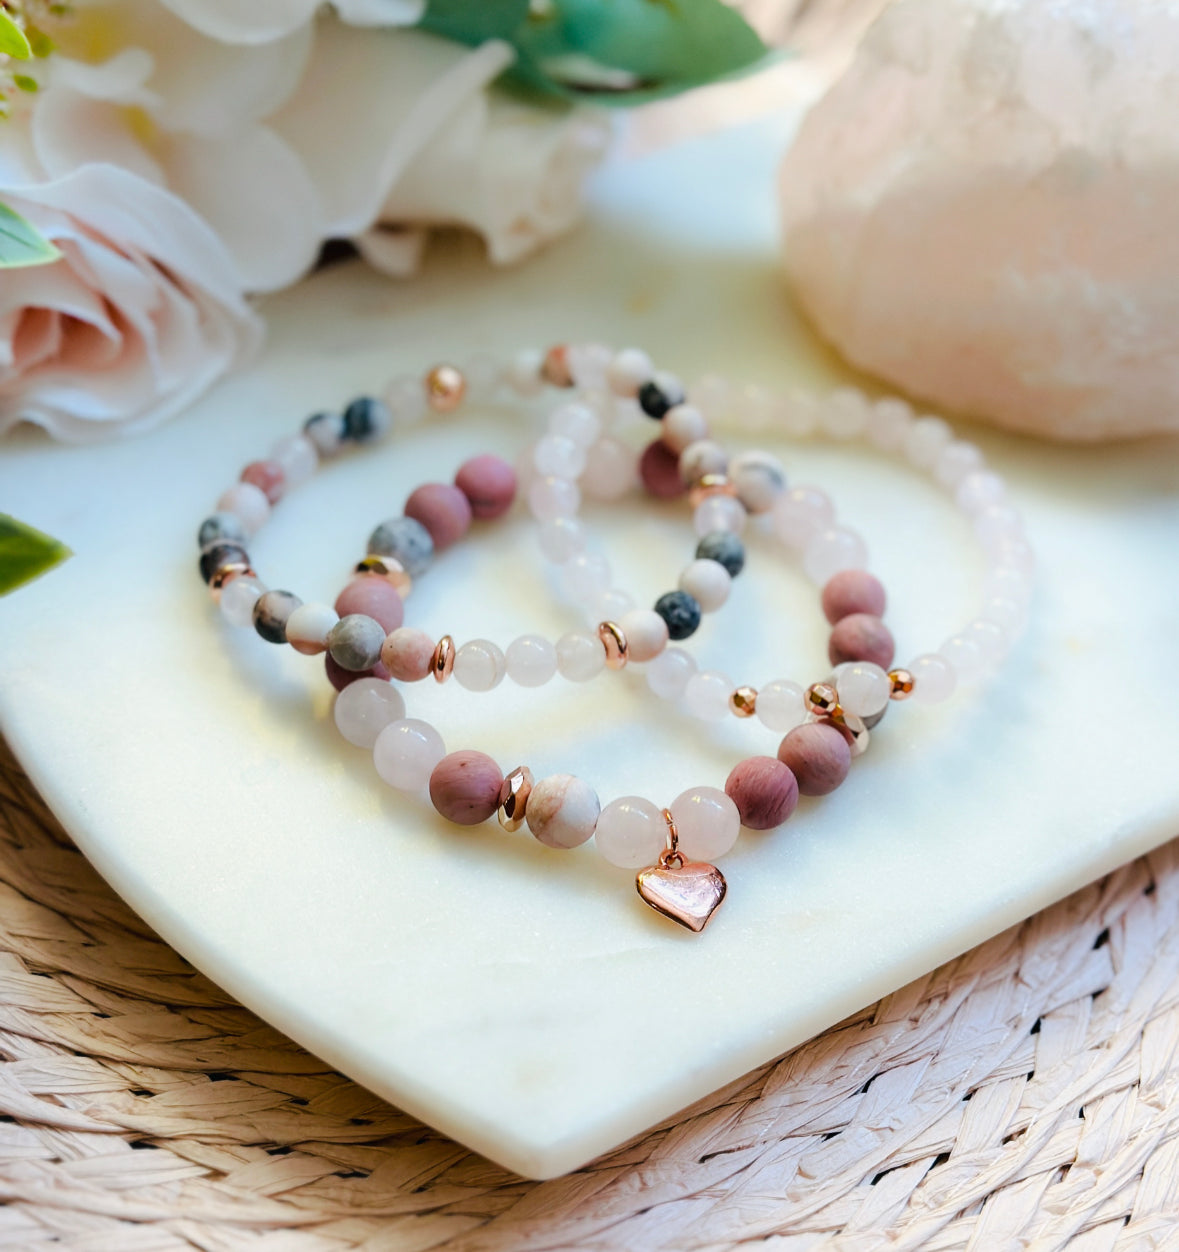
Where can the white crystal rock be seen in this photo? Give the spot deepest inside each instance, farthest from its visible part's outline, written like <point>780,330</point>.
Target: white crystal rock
<point>983,210</point>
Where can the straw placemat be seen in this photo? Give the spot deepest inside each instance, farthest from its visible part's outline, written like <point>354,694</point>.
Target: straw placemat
<point>1023,1096</point>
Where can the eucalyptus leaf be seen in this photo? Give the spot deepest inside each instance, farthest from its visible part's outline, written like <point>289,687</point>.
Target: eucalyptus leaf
<point>21,244</point>
<point>12,39</point>
<point>25,553</point>
<point>475,21</point>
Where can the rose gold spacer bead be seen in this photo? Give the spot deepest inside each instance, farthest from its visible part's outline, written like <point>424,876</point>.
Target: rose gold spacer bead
<point>613,639</point>
<point>386,567</point>
<point>821,699</point>
<point>555,367</point>
<point>442,663</point>
<point>902,684</point>
<point>445,388</point>
<point>743,701</point>
<point>711,485</point>
<point>225,574</point>
<point>513,798</point>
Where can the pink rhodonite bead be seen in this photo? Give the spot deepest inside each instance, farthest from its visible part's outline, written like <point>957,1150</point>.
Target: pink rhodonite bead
<point>407,654</point>
<point>464,787</point>
<point>268,477</point>
<point>764,790</point>
<point>818,756</point>
<point>443,510</point>
<point>374,597</point>
<point>853,591</point>
<point>562,811</point>
<point>489,483</point>
<point>659,468</point>
<point>861,637</point>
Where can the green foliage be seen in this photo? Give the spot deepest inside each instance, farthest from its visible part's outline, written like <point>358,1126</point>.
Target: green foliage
<point>21,244</point>
<point>13,42</point>
<point>25,553</point>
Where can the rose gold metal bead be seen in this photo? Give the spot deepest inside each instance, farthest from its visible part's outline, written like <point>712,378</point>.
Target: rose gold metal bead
<point>442,663</point>
<point>445,388</point>
<point>821,699</point>
<point>854,730</point>
<point>711,485</point>
<point>386,567</point>
<point>902,684</point>
<point>555,368</point>
<point>513,797</point>
<point>226,573</point>
<point>613,639</point>
<point>743,701</point>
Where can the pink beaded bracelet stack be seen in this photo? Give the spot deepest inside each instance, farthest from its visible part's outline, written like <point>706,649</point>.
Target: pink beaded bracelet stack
<point>369,651</point>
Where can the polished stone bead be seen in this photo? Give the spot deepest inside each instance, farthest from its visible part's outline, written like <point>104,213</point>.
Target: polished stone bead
<point>268,477</point>
<point>764,790</point>
<point>680,611</point>
<point>464,787</point>
<point>341,678</point>
<point>366,419</point>
<point>659,468</point>
<point>861,637</point>
<point>271,611</point>
<point>364,708</point>
<point>221,528</point>
<point>562,811</point>
<point>407,654</point>
<point>326,432</point>
<point>374,597</point>
<point>405,540</point>
<point>355,642</point>
<point>660,393</point>
<point>219,554</point>
<point>852,591</point>
<point>725,548</point>
<point>489,483</point>
<point>442,509</point>
<point>818,755</point>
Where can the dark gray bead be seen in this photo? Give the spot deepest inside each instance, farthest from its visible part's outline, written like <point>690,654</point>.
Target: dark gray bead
<point>354,642</point>
<point>366,419</point>
<point>681,612</point>
<point>723,547</point>
<point>406,541</point>
<point>221,528</point>
<point>271,611</point>
<point>326,431</point>
<point>219,554</point>
<point>660,393</point>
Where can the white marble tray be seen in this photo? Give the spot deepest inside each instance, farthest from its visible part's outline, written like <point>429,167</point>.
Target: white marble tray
<point>524,1002</point>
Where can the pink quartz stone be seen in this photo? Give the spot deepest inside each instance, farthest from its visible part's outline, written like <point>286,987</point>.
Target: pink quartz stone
<point>464,787</point>
<point>852,591</point>
<point>375,597</point>
<point>659,468</point>
<point>407,654</point>
<point>861,637</point>
<point>442,509</point>
<point>268,477</point>
<point>818,755</point>
<point>764,790</point>
<point>340,677</point>
<point>489,483</point>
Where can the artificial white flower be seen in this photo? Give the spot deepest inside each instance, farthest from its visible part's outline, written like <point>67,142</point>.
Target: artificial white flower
<point>260,21</point>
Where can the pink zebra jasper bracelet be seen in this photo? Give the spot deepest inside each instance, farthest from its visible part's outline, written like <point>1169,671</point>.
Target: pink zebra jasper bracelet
<point>827,722</point>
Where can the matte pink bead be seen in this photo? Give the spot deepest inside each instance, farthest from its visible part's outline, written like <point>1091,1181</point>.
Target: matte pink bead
<point>464,787</point>
<point>268,477</point>
<point>340,677</point>
<point>764,790</point>
<point>374,597</point>
<point>818,755</point>
<point>489,483</point>
<point>407,654</point>
<point>442,509</point>
<point>852,591</point>
<point>861,637</point>
<point>659,468</point>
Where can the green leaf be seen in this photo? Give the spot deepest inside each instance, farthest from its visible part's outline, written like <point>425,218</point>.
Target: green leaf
<point>475,21</point>
<point>25,553</point>
<point>12,39</point>
<point>21,244</point>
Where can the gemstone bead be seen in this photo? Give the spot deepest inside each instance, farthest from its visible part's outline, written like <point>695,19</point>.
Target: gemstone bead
<point>341,678</point>
<point>464,787</point>
<point>271,611</point>
<point>218,555</point>
<point>681,612</point>
<point>818,755</point>
<point>221,528</point>
<point>707,823</point>
<point>577,422</point>
<point>364,708</point>
<point>780,705</point>
<point>549,498</point>
<point>659,468</point>
<point>631,832</point>
<point>628,371</point>
<point>407,752</point>
<point>852,591</point>
<point>702,458</point>
<point>407,541</point>
<point>489,483</point>
<point>374,597</point>
<point>800,513</point>
<point>248,504</point>
<point>764,790</point>
<point>646,634</point>
<point>562,811</point>
<point>759,479</point>
<point>562,538</point>
<point>443,510</point>
<point>406,398</point>
<point>683,425</point>
<point>662,391</point>
<point>366,420</point>
<point>934,679</point>
<point>861,637</point>
<point>326,432</point>
<point>864,688</point>
<point>558,456</point>
<point>724,547</point>
<point>355,642</point>
<point>831,550</point>
<point>531,660</point>
<point>479,665</point>
<point>668,673</point>
<point>580,656</point>
<point>407,654</point>
<point>719,513</point>
<point>297,457</point>
<point>308,628</point>
<point>707,582</point>
<point>238,598</point>
<point>706,695</point>
<point>611,470</point>
<point>268,477</point>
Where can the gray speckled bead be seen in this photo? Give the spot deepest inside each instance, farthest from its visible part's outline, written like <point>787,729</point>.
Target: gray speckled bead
<point>366,420</point>
<point>406,541</point>
<point>271,610</point>
<point>681,612</point>
<point>723,547</point>
<point>326,432</point>
<point>355,642</point>
<point>221,528</point>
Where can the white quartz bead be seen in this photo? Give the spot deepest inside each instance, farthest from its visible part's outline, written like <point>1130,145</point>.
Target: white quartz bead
<point>979,490</point>
<point>708,582</point>
<point>406,398</point>
<point>558,456</point>
<point>646,634</point>
<point>800,513</point>
<point>997,524</point>
<point>406,753</point>
<point>629,370</point>
<point>668,673</point>
<point>1006,613</point>
<point>365,707</point>
<point>531,660</point>
<point>577,423</point>
<point>248,504</point>
<point>562,811</point>
<point>561,538</point>
<point>925,440</point>
<point>964,655</point>
<point>298,458</point>
<point>701,458</point>
<point>1011,584</point>
<point>955,461</point>
<point>829,551</point>
<point>238,598</point>
<point>844,416</point>
<point>610,606</point>
<point>719,513</point>
<point>706,821</point>
<point>799,415</point>
<point>759,479</point>
<point>888,424</point>
<point>682,425</point>
<point>713,396</point>
<point>588,363</point>
<point>991,640</point>
<point>631,832</point>
<point>523,374</point>
<point>611,470</point>
<point>706,695</point>
<point>1014,554</point>
<point>307,629</point>
<point>553,497</point>
<point>580,656</point>
<point>479,665</point>
<point>584,577</point>
<point>934,679</point>
<point>864,689</point>
<point>780,705</point>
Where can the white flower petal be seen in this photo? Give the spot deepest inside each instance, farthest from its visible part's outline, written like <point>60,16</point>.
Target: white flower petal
<point>396,251</point>
<point>380,12</point>
<point>70,130</point>
<point>244,21</point>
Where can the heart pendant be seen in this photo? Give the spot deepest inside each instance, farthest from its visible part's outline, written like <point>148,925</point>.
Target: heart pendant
<point>688,893</point>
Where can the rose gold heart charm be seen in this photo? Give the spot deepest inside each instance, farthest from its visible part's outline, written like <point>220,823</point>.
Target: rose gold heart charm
<point>688,892</point>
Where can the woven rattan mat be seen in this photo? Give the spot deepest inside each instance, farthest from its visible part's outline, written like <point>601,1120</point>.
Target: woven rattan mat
<point>1023,1096</point>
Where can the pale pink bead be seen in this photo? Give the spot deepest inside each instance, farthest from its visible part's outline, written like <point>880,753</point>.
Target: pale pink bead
<point>631,832</point>
<point>780,705</point>
<point>375,597</point>
<point>562,538</point>
<point>861,637</point>
<point>627,372</point>
<point>576,422</point>
<point>553,497</point>
<point>238,598</point>
<point>818,756</point>
<point>719,513</point>
<point>610,606</point>
<point>659,468</point>
<point>1014,554</point>
<point>489,483</point>
<point>308,626</point>
<point>997,524</point>
<point>888,423</point>
<point>523,372</point>
<point>1005,612</point>
<point>589,363</point>
<point>408,654</point>
<point>562,811</point>
<point>925,440</point>
<point>580,656</point>
<point>706,821</point>
<point>364,708</point>
<point>406,753</point>
<point>852,591</point>
<point>764,790</point>
<point>708,582</point>
<point>298,457</point>
<point>933,678</point>
<point>956,461</point>
<point>864,688</point>
<point>531,660</point>
<point>964,655</point>
<point>706,695</point>
<point>248,504</point>
<point>646,634</point>
<point>268,477</point>
<point>479,665</point>
<point>611,470</point>
<point>558,456</point>
<point>800,513</point>
<point>702,458</point>
<point>464,787</point>
<point>668,673</point>
<point>442,509</point>
<point>406,398</point>
<point>583,578</point>
<point>1011,584</point>
<point>979,490</point>
<point>990,638</point>
<point>759,479</point>
<point>682,425</point>
<point>845,414</point>
<point>831,550</point>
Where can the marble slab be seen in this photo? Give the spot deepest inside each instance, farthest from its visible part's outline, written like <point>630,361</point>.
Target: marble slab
<point>523,1002</point>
